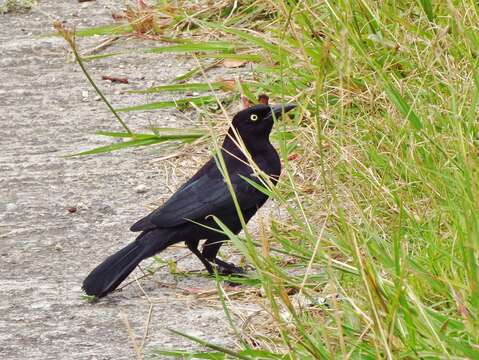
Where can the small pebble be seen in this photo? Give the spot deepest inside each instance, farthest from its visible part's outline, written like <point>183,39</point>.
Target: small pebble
<point>11,207</point>
<point>141,189</point>
<point>84,95</point>
<point>106,209</point>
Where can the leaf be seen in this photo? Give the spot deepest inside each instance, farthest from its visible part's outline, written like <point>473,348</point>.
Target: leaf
<point>195,71</point>
<point>257,185</point>
<point>118,146</point>
<point>427,7</point>
<point>191,355</point>
<point>184,47</point>
<point>183,135</point>
<point>228,84</point>
<point>193,47</point>
<point>212,346</point>
<point>112,29</point>
<point>160,133</point>
<point>262,354</point>
<point>251,38</point>
<point>245,88</point>
<point>101,56</point>
<point>180,87</point>
<point>125,135</point>
<point>233,63</point>
<point>402,105</point>
<point>201,100</point>
<point>190,132</point>
<point>188,74</point>
<point>245,57</point>
<point>225,85</point>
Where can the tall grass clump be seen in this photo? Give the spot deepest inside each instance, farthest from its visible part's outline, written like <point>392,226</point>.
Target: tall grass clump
<point>378,256</point>
<point>382,193</point>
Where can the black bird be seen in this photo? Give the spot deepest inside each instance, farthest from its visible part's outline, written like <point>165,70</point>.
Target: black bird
<point>185,216</point>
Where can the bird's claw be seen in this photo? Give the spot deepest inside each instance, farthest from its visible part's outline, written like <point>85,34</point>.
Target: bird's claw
<point>231,270</point>
<point>225,268</point>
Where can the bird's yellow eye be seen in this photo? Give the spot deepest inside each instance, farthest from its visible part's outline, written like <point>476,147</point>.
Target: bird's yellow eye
<point>253,117</point>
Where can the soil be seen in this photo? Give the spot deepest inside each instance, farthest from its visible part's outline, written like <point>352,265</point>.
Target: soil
<point>59,217</point>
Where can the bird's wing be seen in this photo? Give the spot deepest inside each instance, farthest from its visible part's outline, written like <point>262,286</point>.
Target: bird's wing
<point>199,198</point>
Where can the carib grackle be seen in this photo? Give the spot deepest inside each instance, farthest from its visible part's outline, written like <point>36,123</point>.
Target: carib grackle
<point>185,216</point>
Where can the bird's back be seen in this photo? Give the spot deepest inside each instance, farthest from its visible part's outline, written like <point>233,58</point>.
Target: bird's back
<point>207,192</point>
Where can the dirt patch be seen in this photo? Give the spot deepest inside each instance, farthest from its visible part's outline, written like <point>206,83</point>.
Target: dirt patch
<point>49,110</point>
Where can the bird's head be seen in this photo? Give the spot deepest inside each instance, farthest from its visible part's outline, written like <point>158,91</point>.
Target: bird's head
<point>254,124</point>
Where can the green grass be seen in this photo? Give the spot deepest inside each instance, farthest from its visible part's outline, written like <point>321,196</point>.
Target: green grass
<point>383,198</point>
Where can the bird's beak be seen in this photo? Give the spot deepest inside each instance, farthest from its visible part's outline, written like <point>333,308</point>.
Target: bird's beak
<point>278,110</point>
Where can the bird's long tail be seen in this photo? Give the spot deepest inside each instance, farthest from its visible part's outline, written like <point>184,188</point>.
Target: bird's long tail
<point>110,273</point>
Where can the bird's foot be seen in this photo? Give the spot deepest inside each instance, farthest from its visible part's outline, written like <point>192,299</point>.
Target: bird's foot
<point>225,268</point>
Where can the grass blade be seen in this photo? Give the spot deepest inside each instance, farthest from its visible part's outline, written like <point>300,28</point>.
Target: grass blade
<point>113,29</point>
<point>180,87</point>
<point>190,355</point>
<point>428,10</point>
<point>212,346</point>
<point>159,133</point>
<point>101,56</point>
<point>232,56</point>
<point>193,47</point>
<point>402,105</point>
<point>118,146</point>
<point>201,100</point>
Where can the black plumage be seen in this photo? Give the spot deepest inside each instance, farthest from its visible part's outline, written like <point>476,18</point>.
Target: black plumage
<point>186,216</point>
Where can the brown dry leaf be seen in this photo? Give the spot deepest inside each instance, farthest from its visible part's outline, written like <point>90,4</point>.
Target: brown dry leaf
<point>263,99</point>
<point>115,79</point>
<point>118,16</point>
<point>233,63</point>
<point>285,297</point>
<point>197,291</point>
<point>142,19</point>
<point>228,84</point>
<point>164,22</point>
<point>245,102</point>
<point>293,157</point>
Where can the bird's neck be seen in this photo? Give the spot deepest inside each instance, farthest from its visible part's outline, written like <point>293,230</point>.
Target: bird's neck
<point>255,146</point>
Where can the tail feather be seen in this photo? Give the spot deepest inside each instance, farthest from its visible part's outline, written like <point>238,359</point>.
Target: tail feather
<point>110,273</point>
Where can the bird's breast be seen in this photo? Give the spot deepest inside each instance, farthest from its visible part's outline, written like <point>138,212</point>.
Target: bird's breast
<point>270,163</point>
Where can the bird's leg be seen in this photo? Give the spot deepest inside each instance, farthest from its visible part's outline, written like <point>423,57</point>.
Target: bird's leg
<point>193,246</point>
<point>226,268</point>
<point>210,252</point>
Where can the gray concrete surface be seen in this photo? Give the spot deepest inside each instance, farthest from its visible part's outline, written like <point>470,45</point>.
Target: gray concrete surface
<point>47,110</point>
